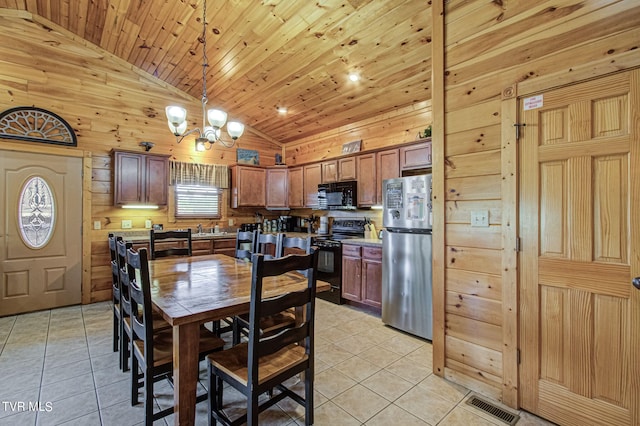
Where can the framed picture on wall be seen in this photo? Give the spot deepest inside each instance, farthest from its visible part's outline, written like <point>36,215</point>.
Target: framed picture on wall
<point>248,156</point>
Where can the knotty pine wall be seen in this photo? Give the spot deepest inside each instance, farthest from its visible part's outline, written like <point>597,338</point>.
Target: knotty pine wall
<point>494,50</point>
<point>110,105</point>
<point>384,130</point>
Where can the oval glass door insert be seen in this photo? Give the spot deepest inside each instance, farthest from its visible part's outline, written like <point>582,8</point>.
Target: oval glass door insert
<point>36,213</point>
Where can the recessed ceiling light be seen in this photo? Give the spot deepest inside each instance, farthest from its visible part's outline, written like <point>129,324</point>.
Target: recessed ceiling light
<point>282,110</point>
<point>354,77</point>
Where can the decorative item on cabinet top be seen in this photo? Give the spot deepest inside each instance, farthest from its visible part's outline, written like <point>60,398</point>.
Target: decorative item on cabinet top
<point>248,156</point>
<point>426,133</point>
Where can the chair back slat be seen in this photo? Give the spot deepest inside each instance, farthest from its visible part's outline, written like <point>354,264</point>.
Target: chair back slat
<point>121,258</point>
<point>182,243</point>
<point>140,290</point>
<point>262,241</point>
<point>115,274</point>
<point>303,244</point>
<point>244,239</point>
<point>259,307</point>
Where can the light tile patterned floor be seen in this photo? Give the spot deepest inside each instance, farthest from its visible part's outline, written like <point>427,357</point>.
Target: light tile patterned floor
<point>366,374</point>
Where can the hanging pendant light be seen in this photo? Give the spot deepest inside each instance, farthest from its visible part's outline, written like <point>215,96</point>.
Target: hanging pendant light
<point>208,134</point>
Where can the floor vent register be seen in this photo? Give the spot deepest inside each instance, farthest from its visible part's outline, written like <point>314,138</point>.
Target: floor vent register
<point>493,410</point>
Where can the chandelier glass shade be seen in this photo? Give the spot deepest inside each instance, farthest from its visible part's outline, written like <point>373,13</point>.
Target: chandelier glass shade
<point>209,134</point>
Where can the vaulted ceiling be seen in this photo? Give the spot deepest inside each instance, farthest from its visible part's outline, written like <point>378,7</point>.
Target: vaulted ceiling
<point>265,54</point>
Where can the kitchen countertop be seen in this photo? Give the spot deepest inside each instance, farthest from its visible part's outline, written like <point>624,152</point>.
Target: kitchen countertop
<point>369,242</point>
<point>143,236</point>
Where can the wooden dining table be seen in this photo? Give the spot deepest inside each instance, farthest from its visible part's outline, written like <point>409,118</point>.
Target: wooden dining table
<point>190,291</point>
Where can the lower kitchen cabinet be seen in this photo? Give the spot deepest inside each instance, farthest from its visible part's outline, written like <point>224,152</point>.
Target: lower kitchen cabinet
<point>224,246</point>
<point>200,247</point>
<point>362,274</point>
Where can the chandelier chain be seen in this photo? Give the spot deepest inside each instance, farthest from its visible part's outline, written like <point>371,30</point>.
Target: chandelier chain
<point>205,60</point>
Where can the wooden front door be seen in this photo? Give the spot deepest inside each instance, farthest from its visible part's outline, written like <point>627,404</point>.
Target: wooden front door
<point>579,223</point>
<point>40,231</point>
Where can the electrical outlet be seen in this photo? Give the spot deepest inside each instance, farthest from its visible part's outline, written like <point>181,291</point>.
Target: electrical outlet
<point>230,222</point>
<point>147,223</point>
<point>126,224</point>
<point>480,218</point>
<point>97,224</point>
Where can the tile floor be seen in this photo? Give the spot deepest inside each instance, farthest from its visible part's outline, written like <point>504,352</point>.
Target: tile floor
<point>366,374</point>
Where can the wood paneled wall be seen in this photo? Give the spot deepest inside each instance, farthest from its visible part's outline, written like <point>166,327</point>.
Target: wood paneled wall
<point>110,105</point>
<point>492,50</point>
<point>384,130</point>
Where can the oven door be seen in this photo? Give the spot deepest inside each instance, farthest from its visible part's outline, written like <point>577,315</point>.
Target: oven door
<point>330,270</point>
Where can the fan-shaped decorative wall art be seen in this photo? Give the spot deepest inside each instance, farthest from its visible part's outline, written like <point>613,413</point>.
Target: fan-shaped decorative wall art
<point>36,125</point>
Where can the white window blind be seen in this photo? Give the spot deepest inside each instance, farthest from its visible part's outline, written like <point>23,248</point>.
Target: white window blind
<point>197,201</point>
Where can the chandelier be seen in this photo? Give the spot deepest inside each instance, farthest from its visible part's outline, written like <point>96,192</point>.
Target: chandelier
<point>208,135</point>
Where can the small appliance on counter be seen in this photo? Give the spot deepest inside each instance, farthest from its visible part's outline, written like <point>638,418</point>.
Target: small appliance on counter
<point>323,229</point>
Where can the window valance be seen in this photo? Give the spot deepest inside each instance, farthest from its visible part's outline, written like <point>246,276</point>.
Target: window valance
<point>199,174</point>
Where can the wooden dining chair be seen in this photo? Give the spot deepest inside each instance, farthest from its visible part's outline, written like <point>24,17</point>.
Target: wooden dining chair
<point>266,362</point>
<point>115,294</point>
<point>263,241</point>
<point>272,323</point>
<point>152,351</point>
<point>126,308</point>
<point>172,243</point>
<point>245,244</point>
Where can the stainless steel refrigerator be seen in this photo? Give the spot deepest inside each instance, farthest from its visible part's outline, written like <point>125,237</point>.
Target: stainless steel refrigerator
<point>406,255</point>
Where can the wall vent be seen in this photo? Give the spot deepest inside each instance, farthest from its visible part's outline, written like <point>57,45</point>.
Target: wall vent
<point>493,410</point>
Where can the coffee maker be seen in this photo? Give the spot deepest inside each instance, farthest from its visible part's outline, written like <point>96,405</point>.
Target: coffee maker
<point>287,223</point>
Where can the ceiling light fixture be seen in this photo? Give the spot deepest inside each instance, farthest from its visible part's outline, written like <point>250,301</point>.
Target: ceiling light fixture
<point>208,135</point>
<point>282,110</point>
<point>354,77</point>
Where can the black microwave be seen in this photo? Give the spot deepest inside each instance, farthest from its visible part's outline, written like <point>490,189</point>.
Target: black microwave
<point>338,195</point>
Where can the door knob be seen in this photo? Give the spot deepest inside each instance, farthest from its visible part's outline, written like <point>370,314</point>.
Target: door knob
<point>636,282</point>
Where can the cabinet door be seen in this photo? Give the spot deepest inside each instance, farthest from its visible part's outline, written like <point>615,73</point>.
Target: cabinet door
<point>225,246</point>
<point>296,187</point>
<point>367,182</point>
<point>276,188</point>
<point>387,167</point>
<point>128,178</point>
<point>329,171</point>
<point>201,247</point>
<point>347,169</point>
<point>415,156</point>
<point>248,186</point>
<point>312,178</point>
<point>156,183</point>
<point>351,273</point>
<point>372,276</point>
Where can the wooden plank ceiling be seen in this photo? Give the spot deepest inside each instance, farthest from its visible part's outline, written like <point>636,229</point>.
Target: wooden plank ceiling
<point>268,53</point>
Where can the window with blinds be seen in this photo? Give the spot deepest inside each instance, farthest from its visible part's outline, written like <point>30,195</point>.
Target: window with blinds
<point>197,201</point>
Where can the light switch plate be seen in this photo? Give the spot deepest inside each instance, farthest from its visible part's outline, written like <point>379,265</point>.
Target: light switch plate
<point>126,224</point>
<point>480,218</point>
<point>97,224</point>
<point>147,224</point>
<point>230,222</point>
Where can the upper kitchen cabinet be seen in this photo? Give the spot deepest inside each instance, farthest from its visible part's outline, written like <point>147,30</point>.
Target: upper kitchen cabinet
<point>347,169</point>
<point>277,188</point>
<point>248,186</point>
<point>339,170</point>
<point>387,167</point>
<point>312,178</point>
<point>296,187</point>
<point>329,171</point>
<point>415,156</point>
<point>140,178</point>
<point>366,166</point>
